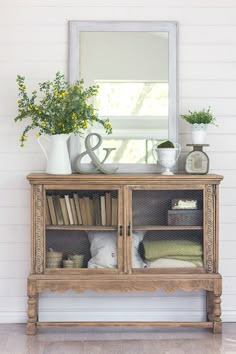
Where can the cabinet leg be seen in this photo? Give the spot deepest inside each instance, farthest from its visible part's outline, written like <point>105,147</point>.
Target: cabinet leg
<point>32,308</point>
<point>217,324</point>
<point>209,304</point>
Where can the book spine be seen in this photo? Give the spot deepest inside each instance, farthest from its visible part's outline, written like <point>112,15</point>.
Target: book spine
<point>52,209</point>
<point>48,219</point>
<point>72,204</point>
<point>103,210</point>
<point>88,211</point>
<point>64,211</point>
<point>68,206</point>
<point>77,208</point>
<point>97,210</point>
<point>83,211</point>
<point>58,211</point>
<point>114,213</point>
<point>92,211</point>
<point>108,208</point>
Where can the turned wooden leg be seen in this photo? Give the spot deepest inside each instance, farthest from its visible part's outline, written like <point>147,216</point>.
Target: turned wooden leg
<point>217,324</point>
<point>209,305</point>
<point>32,308</point>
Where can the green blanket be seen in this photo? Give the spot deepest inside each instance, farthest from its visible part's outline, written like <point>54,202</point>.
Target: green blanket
<point>172,249</point>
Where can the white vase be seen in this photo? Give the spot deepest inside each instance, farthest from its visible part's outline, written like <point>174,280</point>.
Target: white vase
<point>58,161</point>
<point>199,133</point>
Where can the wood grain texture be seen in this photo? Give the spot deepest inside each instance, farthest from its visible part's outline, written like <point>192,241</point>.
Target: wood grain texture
<point>124,278</point>
<point>126,324</point>
<point>122,179</point>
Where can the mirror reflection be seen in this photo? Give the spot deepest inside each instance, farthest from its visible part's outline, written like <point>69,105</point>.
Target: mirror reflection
<point>132,72</point>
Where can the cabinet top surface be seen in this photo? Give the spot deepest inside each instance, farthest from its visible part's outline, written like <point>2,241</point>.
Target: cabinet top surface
<point>43,178</point>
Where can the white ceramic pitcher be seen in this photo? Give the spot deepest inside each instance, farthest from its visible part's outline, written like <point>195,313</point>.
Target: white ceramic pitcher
<point>58,161</point>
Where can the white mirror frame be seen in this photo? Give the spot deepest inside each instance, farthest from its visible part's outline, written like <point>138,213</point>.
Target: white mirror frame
<point>75,27</point>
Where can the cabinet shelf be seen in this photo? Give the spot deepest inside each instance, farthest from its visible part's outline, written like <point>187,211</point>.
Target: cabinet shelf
<point>81,227</point>
<point>166,228</point>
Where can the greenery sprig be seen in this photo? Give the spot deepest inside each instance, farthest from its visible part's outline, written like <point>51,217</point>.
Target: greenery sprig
<point>200,117</point>
<point>59,108</point>
<point>166,145</point>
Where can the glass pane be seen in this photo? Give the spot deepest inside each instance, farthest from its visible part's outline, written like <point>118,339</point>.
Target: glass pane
<point>154,207</point>
<point>81,249</point>
<point>167,229</point>
<point>172,249</point>
<point>82,208</point>
<point>81,229</point>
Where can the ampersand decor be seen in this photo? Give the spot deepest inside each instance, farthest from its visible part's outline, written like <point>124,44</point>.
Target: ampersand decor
<point>98,165</point>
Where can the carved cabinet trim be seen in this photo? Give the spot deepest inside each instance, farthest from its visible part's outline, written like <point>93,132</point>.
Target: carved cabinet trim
<point>210,227</point>
<point>38,207</point>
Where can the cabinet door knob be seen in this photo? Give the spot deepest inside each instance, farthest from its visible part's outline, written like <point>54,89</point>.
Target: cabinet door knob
<point>121,230</point>
<point>128,233</point>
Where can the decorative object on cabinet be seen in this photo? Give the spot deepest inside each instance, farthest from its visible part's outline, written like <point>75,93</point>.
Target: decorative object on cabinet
<point>167,154</point>
<point>199,122</point>
<point>77,259</point>
<point>177,256</point>
<point>54,259</point>
<point>183,204</point>
<point>58,110</point>
<point>197,161</point>
<point>185,217</point>
<point>68,263</point>
<point>58,161</point>
<point>97,165</point>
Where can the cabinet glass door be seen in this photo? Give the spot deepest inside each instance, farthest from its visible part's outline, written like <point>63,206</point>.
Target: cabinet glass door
<point>81,230</point>
<point>166,230</point>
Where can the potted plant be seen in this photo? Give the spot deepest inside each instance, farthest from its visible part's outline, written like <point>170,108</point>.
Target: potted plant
<point>167,153</point>
<point>57,111</point>
<point>199,122</point>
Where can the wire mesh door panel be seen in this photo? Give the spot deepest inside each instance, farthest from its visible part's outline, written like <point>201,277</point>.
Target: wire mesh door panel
<point>82,230</point>
<point>167,229</point>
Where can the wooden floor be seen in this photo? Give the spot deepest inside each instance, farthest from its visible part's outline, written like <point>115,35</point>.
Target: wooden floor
<point>117,340</point>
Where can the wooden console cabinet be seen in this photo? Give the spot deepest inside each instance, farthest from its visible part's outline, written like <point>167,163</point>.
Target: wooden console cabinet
<point>174,253</point>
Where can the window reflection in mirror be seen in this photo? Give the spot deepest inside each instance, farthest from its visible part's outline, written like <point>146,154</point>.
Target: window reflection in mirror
<point>131,69</point>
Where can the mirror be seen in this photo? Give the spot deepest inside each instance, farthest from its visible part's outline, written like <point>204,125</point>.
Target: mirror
<point>134,65</point>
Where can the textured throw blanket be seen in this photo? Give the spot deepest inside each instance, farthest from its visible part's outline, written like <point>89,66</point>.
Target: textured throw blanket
<point>173,263</point>
<point>177,249</point>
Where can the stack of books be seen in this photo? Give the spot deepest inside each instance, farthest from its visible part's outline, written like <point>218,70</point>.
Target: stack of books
<point>71,209</point>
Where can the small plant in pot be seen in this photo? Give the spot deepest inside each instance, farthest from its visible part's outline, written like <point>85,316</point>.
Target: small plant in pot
<point>199,122</point>
<point>166,154</point>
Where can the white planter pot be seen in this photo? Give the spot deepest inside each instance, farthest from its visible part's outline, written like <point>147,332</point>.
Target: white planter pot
<point>167,157</point>
<point>199,133</point>
<point>58,161</point>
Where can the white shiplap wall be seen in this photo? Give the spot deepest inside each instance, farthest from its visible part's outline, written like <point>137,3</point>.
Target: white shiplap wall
<point>34,42</point>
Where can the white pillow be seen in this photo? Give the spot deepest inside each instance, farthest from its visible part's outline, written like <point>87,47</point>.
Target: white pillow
<point>137,237</point>
<point>103,249</point>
